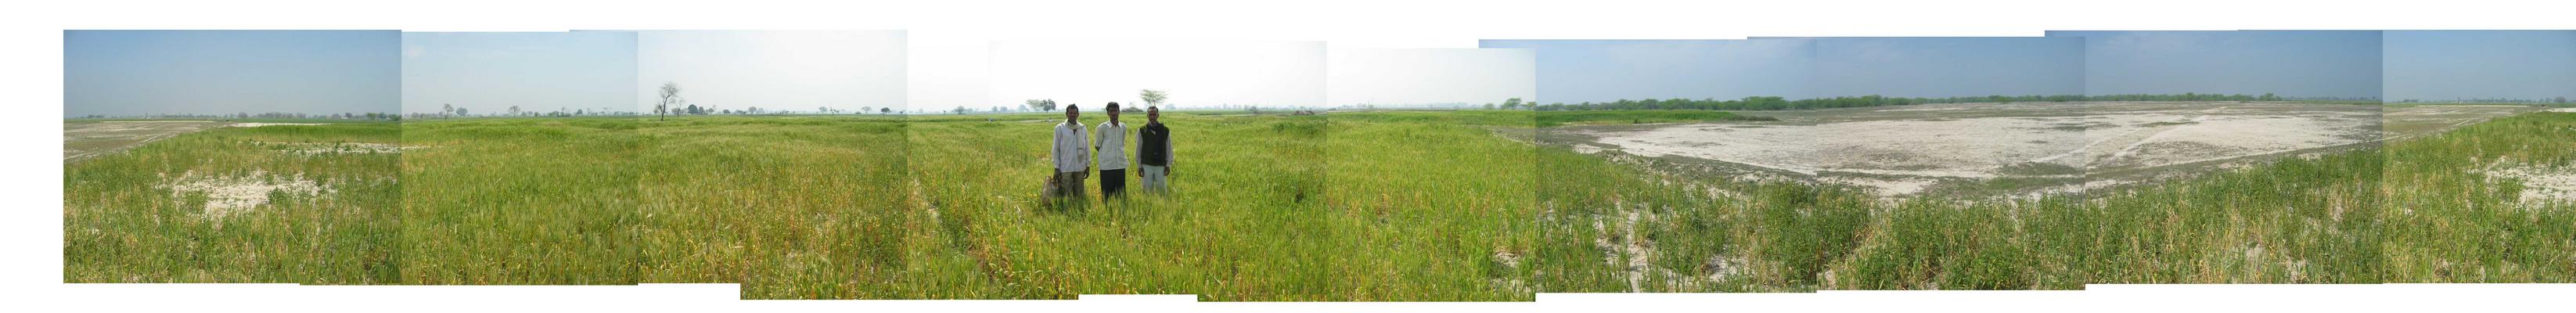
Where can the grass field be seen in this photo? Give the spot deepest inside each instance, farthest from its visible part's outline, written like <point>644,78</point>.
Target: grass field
<point>520,201</point>
<point>1354,206</point>
<point>277,204</point>
<point>1245,221</point>
<point>782,205</point>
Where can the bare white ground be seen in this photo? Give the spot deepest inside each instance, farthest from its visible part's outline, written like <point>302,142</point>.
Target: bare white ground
<point>2563,110</point>
<point>1966,148</point>
<point>226,195</point>
<point>2540,184</point>
<point>326,148</point>
<point>1904,150</point>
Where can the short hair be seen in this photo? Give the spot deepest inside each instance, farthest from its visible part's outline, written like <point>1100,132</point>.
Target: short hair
<point>1153,108</point>
<point>1113,106</point>
<point>1071,107</point>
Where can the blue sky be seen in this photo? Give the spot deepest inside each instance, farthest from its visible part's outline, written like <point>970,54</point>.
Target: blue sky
<point>1575,71</point>
<point>1938,67</point>
<point>116,72</point>
<point>541,72</point>
<point>2287,63</point>
<point>2447,65</point>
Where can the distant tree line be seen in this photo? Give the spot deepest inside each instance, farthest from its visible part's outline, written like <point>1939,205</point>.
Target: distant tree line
<point>1768,103</point>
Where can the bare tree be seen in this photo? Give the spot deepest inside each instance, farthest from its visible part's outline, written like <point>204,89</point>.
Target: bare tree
<point>514,110</point>
<point>670,96</point>
<point>446,108</point>
<point>1152,97</point>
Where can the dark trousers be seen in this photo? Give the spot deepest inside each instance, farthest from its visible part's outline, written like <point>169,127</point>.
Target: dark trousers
<point>1113,182</point>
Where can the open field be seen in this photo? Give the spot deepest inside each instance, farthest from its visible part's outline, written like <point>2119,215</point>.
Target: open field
<point>1998,148</point>
<point>277,204</point>
<point>518,201</point>
<point>2430,207</point>
<point>782,205</point>
<point>1245,220</point>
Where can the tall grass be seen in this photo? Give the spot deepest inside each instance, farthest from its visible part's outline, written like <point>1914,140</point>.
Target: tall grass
<point>123,223</point>
<point>520,201</point>
<point>1439,206</point>
<point>779,204</point>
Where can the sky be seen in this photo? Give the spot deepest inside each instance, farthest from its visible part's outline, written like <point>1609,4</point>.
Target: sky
<point>1412,77</point>
<point>1195,73</point>
<point>487,73</point>
<point>120,73</point>
<point>949,70</point>
<point>2288,63</point>
<point>774,70</point>
<point>1941,67</point>
<point>2448,65</point>
<point>1575,71</point>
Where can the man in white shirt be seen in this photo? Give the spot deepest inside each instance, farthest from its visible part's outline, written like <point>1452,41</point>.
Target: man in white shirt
<point>1112,148</point>
<point>1072,160</point>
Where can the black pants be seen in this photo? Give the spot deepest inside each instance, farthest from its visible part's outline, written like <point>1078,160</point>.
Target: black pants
<point>1113,183</point>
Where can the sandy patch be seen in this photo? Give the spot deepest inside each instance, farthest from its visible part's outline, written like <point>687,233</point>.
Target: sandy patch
<point>2540,184</point>
<point>2563,110</point>
<point>226,195</point>
<point>323,148</point>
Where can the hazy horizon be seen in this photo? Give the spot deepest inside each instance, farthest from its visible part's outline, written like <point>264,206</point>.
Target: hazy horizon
<point>1943,67</point>
<point>1426,77</point>
<point>1575,71</point>
<point>2452,65</point>
<point>1196,74</point>
<point>216,72</point>
<point>2306,64</point>
<point>537,72</point>
<point>798,70</point>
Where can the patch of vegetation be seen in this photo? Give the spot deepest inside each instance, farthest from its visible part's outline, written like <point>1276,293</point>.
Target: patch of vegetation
<point>123,224</point>
<point>1561,118</point>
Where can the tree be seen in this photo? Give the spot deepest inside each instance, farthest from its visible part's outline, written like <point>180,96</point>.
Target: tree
<point>1511,103</point>
<point>1040,104</point>
<point>514,110</point>
<point>885,110</point>
<point>443,110</point>
<point>1153,97</point>
<point>461,111</point>
<point>670,96</point>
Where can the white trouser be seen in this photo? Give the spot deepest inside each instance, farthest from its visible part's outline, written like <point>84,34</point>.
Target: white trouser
<point>1153,178</point>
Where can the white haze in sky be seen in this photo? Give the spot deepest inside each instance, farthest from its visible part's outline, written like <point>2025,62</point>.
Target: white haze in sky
<point>773,70</point>
<point>1431,77</point>
<point>1197,74</point>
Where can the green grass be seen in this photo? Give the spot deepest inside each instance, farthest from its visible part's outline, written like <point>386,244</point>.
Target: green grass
<point>1245,220</point>
<point>1614,117</point>
<point>779,204</point>
<point>122,223</point>
<point>520,201</point>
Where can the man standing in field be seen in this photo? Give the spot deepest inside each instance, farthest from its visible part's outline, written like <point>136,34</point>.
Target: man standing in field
<point>1154,156</point>
<point>1112,148</point>
<point>1071,160</point>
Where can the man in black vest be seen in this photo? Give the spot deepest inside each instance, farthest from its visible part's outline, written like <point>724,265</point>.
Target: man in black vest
<point>1154,156</point>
